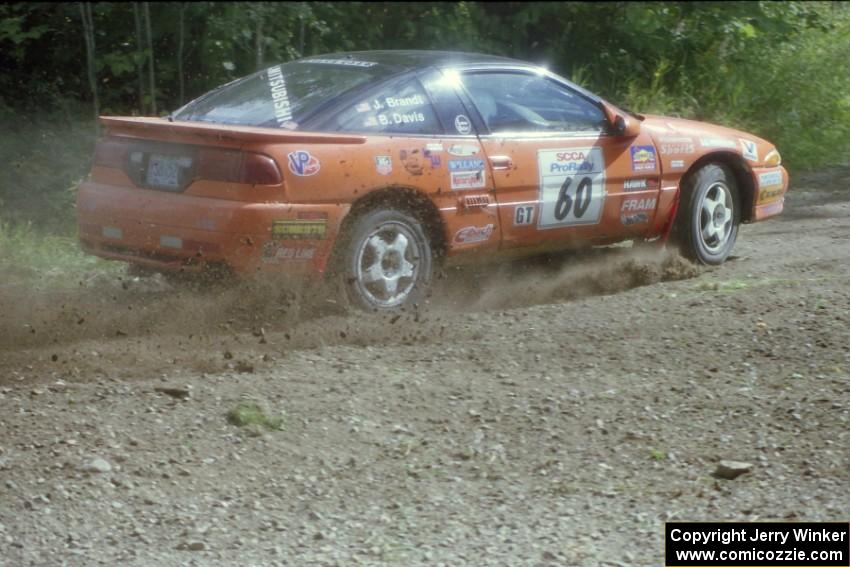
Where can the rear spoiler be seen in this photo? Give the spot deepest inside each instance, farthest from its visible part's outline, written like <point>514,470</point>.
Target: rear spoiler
<point>162,129</point>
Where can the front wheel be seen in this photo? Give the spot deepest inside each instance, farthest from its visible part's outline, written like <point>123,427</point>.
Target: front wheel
<point>387,260</point>
<point>709,215</point>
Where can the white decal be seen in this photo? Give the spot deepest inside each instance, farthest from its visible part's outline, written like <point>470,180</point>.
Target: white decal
<point>636,211</point>
<point>434,147</point>
<point>677,145</point>
<point>347,62</point>
<point>277,84</point>
<point>717,143</point>
<point>462,180</point>
<point>398,118</point>
<point>634,184</point>
<point>363,107</point>
<point>383,165</point>
<point>462,124</point>
<point>770,179</point>
<point>472,234</point>
<point>274,253</point>
<point>750,149</point>
<point>415,100</point>
<point>677,164</point>
<point>572,186</point>
<point>462,150</point>
<point>523,215</point>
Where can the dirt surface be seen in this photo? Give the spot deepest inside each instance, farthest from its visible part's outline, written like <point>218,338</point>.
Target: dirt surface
<point>539,413</point>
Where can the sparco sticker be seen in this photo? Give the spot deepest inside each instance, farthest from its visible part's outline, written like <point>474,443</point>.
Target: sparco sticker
<point>572,186</point>
<point>303,163</point>
<point>472,234</point>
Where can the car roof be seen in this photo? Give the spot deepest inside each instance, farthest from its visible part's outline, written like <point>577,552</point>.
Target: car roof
<point>411,59</point>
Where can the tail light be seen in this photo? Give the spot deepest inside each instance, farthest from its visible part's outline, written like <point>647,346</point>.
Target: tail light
<point>212,164</point>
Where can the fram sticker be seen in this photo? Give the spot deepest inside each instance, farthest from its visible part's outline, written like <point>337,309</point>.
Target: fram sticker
<point>383,165</point>
<point>303,164</point>
<point>635,211</point>
<point>472,234</point>
<point>750,150</point>
<point>643,158</point>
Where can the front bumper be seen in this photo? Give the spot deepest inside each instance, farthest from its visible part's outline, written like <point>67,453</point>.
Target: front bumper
<point>177,232</point>
<point>771,184</point>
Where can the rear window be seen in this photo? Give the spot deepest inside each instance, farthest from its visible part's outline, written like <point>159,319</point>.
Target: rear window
<point>282,96</point>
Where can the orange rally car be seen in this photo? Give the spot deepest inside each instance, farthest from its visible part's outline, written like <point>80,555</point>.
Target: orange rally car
<point>374,167</point>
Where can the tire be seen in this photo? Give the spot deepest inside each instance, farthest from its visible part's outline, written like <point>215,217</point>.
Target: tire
<point>709,214</point>
<point>386,260</point>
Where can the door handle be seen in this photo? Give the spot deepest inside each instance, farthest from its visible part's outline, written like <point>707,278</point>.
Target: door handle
<point>501,162</point>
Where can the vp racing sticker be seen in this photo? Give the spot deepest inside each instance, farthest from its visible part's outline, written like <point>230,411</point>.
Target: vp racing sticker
<point>572,186</point>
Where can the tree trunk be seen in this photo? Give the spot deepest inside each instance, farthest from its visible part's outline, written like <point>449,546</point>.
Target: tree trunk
<point>180,39</point>
<point>140,56</point>
<point>151,81</point>
<point>88,33</point>
<point>301,34</point>
<point>258,39</point>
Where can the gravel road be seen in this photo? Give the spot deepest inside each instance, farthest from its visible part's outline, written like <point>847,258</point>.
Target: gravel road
<point>542,413</point>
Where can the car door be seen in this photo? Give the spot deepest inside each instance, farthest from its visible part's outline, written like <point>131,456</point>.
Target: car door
<point>559,177</point>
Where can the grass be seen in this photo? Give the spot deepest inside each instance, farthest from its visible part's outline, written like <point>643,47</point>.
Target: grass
<point>249,413</point>
<point>32,256</point>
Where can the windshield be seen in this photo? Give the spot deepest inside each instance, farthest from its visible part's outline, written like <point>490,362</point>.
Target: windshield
<point>282,96</point>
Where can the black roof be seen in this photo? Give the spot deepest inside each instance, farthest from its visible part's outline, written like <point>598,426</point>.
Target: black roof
<point>416,59</point>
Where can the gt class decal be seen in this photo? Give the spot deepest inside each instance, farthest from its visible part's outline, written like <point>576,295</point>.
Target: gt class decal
<point>572,186</point>
<point>303,163</point>
<point>523,215</point>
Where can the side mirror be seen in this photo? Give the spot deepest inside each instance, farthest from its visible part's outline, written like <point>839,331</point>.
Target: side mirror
<point>626,127</point>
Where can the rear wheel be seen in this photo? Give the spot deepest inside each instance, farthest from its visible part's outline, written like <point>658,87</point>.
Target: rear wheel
<point>387,260</point>
<point>709,215</point>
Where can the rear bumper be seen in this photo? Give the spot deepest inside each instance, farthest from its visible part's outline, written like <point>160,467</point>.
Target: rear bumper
<point>177,232</point>
<point>771,184</point>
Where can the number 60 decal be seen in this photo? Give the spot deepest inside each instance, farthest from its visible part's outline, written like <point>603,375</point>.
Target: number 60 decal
<point>572,186</point>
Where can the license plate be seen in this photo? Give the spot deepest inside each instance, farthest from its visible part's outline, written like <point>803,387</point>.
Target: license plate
<point>164,171</point>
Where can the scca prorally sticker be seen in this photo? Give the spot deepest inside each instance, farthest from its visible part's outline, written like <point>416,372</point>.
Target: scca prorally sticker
<point>750,150</point>
<point>462,124</point>
<point>383,165</point>
<point>280,96</point>
<point>717,143</point>
<point>636,211</point>
<point>463,150</point>
<point>524,215</point>
<point>643,158</point>
<point>471,234</point>
<point>467,174</point>
<point>303,163</point>
<point>572,186</point>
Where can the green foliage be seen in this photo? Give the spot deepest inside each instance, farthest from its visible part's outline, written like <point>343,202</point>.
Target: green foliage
<point>251,414</point>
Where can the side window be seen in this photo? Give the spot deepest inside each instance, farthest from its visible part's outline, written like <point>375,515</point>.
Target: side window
<point>404,109</point>
<point>522,102</point>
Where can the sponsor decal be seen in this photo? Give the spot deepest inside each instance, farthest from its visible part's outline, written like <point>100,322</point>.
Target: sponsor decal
<point>370,121</point>
<point>524,215</point>
<point>635,211</point>
<point>290,125</point>
<point>643,158</point>
<point>463,180</point>
<point>280,96</point>
<point>750,150</point>
<point>303,164</point>
<point>395,102</point>
<point>467,173</point>
<point>676,145</point>
<point>434,147</point>
<point>400,118</point>
<point>770,178</point>
<point>769,194</point>
<point>411,161</point>
<point>432,155</point>
<point>462,124</point>
<point>274,252</point>
<point>346,62</point>
<point>572,186</point>
<point>634,184</point>
<point>677,164</point>
<point>717,143</point>
<point>363,107</point>
<point>462,150</point>
<point>476,201</point>
<point>383,165</point>
<point>301,229</point>
<point>472,234</point>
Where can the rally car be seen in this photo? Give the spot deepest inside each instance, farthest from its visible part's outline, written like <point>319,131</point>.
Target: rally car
<point>373,168</point>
